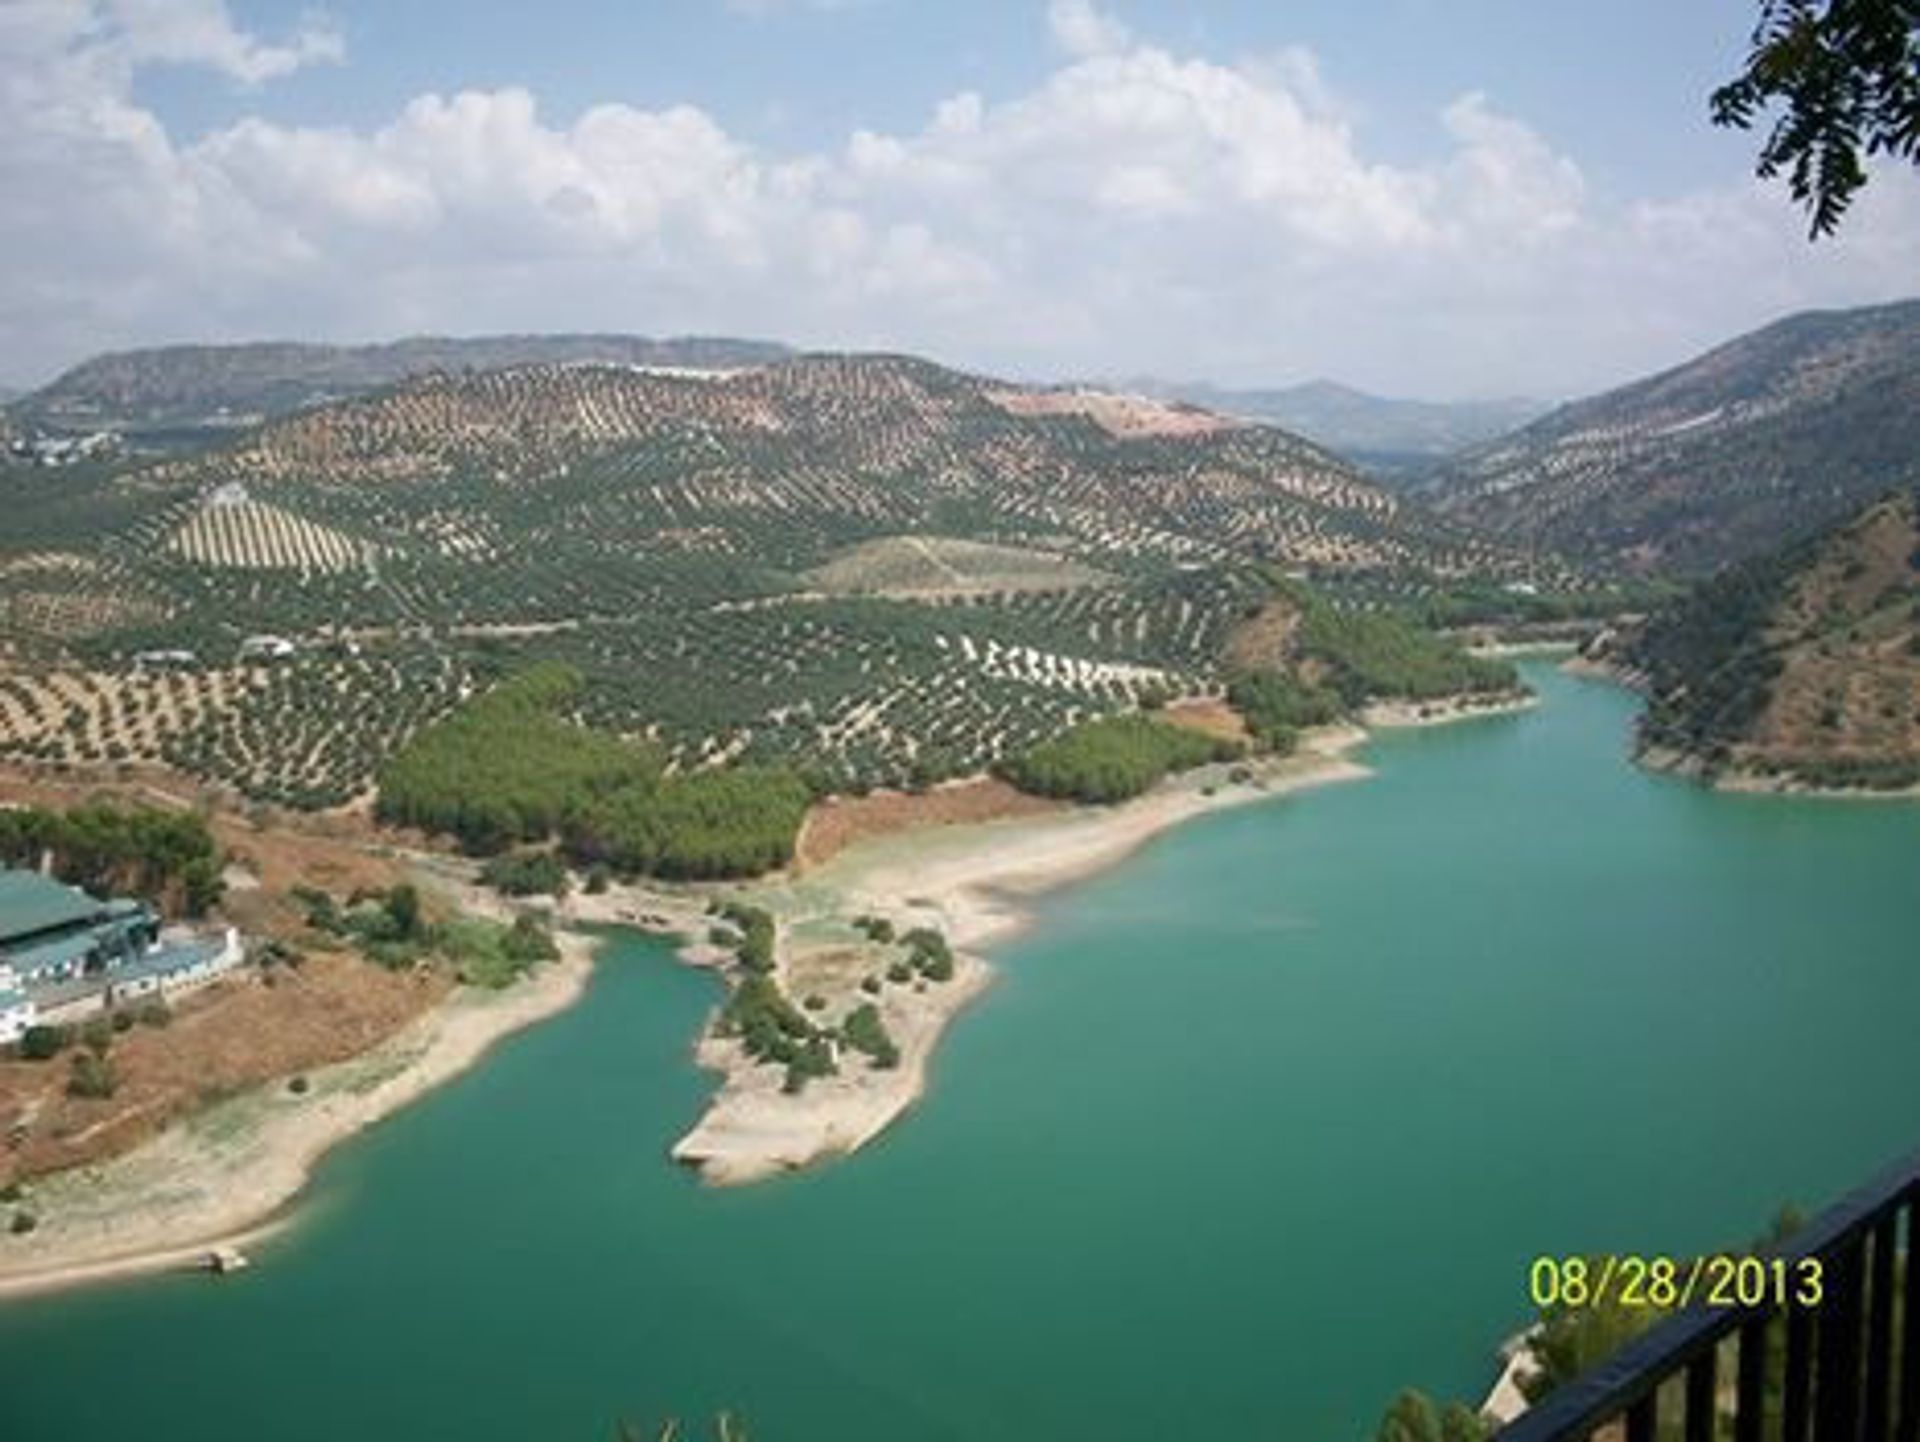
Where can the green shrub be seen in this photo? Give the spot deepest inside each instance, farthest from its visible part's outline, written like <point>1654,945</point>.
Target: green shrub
<point>754,945</point>
<point>876,928</point>
<point>96,1034</point>
<point>813,1058</point>
<point>865,1032</point>
<point>22,1223</point>
<point>43,1042</point>
<point>929,953</point>
<point>526,873</point>
<point>93,1076</point>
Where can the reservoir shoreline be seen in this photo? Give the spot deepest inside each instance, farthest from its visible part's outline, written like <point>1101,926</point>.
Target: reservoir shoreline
<point>233,1176</point>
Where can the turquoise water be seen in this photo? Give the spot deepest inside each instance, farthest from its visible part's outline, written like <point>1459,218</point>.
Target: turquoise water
<point>1253,1130</point>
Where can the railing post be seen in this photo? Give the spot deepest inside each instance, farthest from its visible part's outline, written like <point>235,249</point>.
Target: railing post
<point>1641,1416</point>
<point>1836,1396</point>
<point>1797,1408</point>
<point>1700,1370</point>
<point>1909,1427</point>
<point>1880,1329</point>
<point>1750,1394</point>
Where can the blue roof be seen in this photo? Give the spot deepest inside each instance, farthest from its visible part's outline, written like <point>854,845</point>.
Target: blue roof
<point>30,902</point>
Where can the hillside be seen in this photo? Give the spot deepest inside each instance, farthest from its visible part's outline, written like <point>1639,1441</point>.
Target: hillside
<point>1801,666</point>
<point>212,385</point>
<point>1389,436</point>
<point>867,564</point>
<point>1770,436</point>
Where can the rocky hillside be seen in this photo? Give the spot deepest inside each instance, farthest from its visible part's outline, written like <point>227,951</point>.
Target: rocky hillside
<point>1770,436</point>
<point>1802,666</point>
<point>191,385</point>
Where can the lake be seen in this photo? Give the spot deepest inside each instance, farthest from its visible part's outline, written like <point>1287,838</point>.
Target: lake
<point>1252,1130</point>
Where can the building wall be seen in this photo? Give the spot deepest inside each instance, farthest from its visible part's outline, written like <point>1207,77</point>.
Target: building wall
<point>179,982</point>
<point>15,1020</point>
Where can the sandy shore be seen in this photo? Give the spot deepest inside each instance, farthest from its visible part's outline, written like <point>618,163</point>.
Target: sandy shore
<point>970,882</point>
<point>222,1177</point>
<point>226,1176</point>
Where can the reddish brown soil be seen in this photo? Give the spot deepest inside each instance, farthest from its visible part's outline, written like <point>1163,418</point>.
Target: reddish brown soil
<point>1209,717</point>
<point>237,1033</point>
<point>242,1030</point>
<point>834,825</point>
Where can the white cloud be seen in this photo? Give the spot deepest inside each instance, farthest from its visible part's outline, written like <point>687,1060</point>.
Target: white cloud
<point>1081,29</point>
<point>201,32</point>
<point>1135,211</point>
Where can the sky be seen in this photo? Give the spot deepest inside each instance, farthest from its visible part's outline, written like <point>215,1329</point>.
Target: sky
<point>1436,198</point>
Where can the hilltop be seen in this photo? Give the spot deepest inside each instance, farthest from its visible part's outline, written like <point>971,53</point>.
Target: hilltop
<point>868,565</point>
<point>225,385</point>
<point>1389,436</point>
<point>1772,435</point>
<point>1798,667</point>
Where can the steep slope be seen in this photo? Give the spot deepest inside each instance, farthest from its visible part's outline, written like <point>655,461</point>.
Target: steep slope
<point>868,563</point>
<point>1802,665</point>
<point>190,385</point>
<point>1774,434</point>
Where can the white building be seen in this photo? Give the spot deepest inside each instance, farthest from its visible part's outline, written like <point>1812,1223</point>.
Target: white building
<point>266,648</point>
<point>17,1011</point>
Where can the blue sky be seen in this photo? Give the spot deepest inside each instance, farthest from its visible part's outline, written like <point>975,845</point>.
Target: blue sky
<point>1452,199</point>
<point>1621,87</point>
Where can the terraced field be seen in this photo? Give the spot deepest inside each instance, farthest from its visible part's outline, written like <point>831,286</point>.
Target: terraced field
<point>871,565</point>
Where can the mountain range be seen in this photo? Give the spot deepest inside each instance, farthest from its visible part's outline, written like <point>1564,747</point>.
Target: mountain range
<point>1770,436</point>
<point>201,385</point>
<point>1392,438</point>
<point>869,564</point>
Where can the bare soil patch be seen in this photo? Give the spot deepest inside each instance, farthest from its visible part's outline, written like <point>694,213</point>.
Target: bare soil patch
<point>1209,716</point>
<point>834,825</point>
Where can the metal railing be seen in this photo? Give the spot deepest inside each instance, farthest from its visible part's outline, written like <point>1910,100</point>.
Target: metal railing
<point>1846,1369</point>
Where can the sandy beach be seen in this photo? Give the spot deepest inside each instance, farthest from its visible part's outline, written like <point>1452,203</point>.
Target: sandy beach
<point>221,1178</point>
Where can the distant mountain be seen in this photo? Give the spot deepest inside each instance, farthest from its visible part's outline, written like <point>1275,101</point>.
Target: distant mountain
<point>1770,436</point>
<point>1390,435</point>
<point>1799,666</point>
<point>213,385</point>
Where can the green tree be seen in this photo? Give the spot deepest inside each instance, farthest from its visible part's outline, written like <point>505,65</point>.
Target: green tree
<point>403,906</point>
<point>1412,1417</point>
<point>1848,73</point>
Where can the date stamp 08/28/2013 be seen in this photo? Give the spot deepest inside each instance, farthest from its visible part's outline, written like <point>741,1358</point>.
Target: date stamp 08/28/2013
<point>1670,1283</point>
